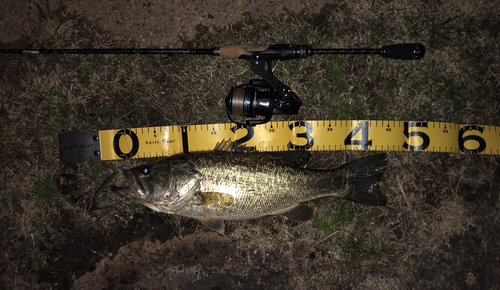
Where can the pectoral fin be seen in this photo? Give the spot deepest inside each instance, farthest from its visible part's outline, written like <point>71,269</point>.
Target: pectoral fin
<point>300,213</point>
<point>215,199</point>
<point>214,224</point>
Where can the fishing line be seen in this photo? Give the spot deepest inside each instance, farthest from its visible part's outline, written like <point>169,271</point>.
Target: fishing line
<point>104,185</point>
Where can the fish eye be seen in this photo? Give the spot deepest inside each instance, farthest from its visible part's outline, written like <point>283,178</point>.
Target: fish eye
<point>146,170</point>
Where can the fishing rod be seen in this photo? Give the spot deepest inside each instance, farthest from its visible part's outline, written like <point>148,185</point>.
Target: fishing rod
<point>260,97</point>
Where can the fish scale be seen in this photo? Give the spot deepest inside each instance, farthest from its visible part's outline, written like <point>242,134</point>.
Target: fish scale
<point>258,184</point>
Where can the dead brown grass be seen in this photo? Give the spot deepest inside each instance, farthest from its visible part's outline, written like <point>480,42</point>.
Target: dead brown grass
<point>434,198</point>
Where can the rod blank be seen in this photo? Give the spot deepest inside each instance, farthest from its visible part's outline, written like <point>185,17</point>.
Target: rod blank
<point>108,51</point>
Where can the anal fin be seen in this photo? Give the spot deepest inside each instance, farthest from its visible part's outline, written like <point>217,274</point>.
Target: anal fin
<point>300,213</point>
<point>214,224</point>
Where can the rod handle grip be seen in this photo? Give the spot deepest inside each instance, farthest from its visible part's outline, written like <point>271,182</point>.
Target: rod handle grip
<point>235,51</point>
<point>404,51</point>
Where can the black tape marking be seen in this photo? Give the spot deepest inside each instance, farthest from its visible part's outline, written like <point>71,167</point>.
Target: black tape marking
<point>185,144</point>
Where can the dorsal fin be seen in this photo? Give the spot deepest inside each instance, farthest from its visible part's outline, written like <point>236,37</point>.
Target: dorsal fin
<point>232,146</point>
<point>224,146</point>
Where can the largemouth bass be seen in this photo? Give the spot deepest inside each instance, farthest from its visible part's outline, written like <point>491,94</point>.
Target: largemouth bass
<point>218,186</point>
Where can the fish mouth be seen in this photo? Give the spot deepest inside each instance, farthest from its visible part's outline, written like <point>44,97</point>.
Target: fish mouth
<point>134,186</point>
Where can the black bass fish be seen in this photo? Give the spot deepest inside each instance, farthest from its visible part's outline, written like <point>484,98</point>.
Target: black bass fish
<point>222,185</point>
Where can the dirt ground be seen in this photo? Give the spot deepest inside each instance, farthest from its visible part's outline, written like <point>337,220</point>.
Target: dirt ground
<point>159,24</point>
<point>439,230</point>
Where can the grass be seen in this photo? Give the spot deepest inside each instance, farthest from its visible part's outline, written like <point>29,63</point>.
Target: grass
<point>12,203</point>
<point>46,188</point>
<point>329,224</point>
<point>432,197</point>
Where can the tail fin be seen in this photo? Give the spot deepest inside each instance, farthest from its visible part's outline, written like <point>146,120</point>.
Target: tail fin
<point>364,177</point>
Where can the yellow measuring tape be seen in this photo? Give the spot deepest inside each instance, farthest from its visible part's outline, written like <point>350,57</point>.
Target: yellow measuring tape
<point>327,135</point>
